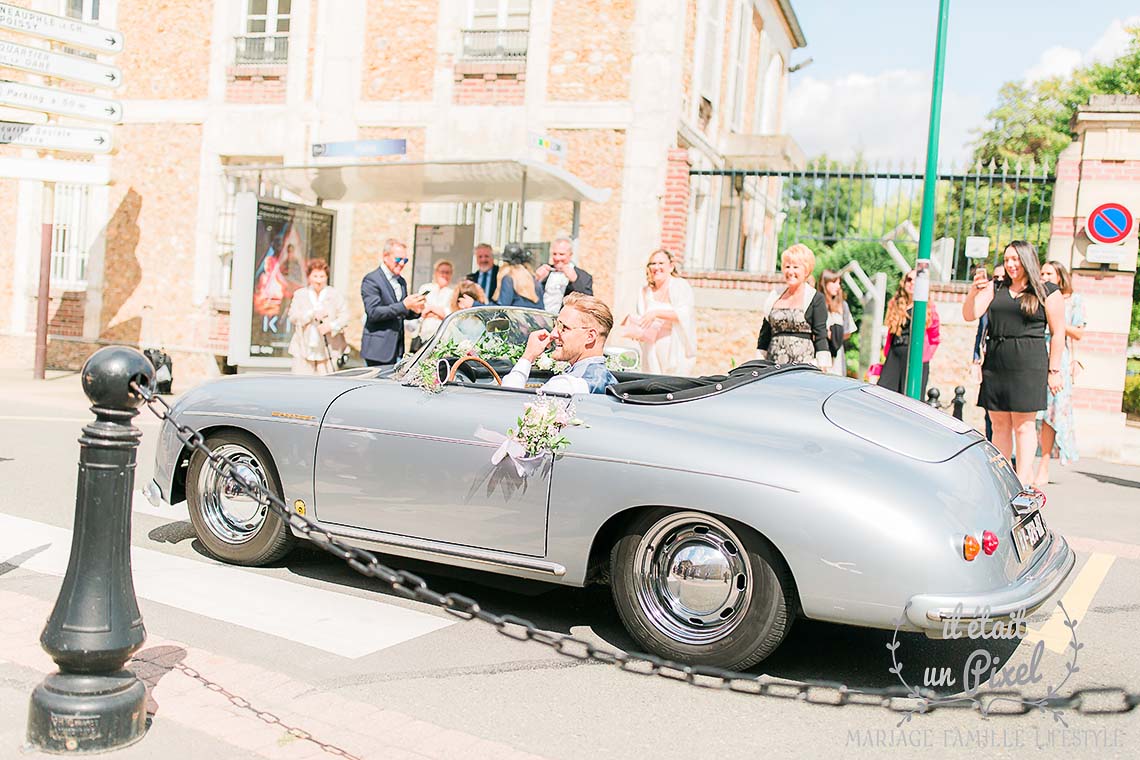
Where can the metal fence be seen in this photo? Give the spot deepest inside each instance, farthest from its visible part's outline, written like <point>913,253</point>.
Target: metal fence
<point>495,44</point>
<point>743,218</point>
<point>258,49</point>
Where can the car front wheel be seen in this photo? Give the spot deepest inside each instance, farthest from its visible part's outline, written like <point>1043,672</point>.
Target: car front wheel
<point>693,588</point>
<point>234,527</point>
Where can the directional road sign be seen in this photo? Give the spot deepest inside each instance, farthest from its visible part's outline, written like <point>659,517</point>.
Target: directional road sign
<point>1109,223</point>
<point>60,28</point>
<point>57,65</point>
<point>360,148</point>
<point>51,137</point>
<point>47,100</point>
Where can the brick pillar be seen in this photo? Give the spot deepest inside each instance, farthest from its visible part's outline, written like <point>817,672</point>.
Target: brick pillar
<point>1102,165</point>
<point>675,203</point>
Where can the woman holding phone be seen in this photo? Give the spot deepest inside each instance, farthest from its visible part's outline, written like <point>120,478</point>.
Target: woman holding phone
<point>1018,371</point>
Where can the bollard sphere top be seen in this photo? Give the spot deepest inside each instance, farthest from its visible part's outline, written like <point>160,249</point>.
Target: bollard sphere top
<point>108,373</point>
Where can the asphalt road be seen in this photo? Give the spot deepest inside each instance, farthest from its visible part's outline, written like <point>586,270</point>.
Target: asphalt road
<point>335,638</point>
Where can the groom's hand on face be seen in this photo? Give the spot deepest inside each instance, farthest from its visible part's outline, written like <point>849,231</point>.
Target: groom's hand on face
<point>536,343</point>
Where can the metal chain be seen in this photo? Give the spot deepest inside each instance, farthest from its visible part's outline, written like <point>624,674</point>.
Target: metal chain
<point>895,698</point>
<point>263,715</point>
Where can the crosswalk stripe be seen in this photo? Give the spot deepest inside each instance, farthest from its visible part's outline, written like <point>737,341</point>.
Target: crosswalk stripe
<point>344,625</point>
<point>1077,599</point>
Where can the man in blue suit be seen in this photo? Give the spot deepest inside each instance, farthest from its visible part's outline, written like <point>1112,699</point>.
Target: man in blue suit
<point>386,306</point>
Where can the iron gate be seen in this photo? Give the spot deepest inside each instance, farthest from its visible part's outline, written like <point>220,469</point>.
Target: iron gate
<point>740,219</point>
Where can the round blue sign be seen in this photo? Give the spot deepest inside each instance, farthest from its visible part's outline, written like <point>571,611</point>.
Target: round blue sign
<point>1109,223</point>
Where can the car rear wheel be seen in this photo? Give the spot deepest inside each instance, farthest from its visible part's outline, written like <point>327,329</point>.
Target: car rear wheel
<point>700,590</point>
<point>234,527</point>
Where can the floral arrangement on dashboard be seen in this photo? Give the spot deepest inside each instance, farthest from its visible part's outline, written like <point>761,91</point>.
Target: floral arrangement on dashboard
<point>488,347</point>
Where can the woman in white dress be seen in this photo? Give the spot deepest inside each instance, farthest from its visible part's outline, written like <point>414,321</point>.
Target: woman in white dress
<point>318,314</point>
<point>439,294</point>
<point>665,321</point>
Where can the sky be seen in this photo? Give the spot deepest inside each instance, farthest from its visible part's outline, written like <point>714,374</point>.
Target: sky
<point>868,86</point>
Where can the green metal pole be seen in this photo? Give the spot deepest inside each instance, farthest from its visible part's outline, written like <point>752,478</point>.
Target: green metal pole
<point>929,199</point>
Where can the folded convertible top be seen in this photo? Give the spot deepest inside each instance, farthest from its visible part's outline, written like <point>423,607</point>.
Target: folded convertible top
<point>669,389</point>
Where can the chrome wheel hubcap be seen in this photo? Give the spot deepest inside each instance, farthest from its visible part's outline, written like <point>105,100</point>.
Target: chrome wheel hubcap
<point>693,579</point>
<point>231,515</point>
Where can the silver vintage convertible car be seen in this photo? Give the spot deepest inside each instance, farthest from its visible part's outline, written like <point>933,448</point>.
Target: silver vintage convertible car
<point>718,508</point>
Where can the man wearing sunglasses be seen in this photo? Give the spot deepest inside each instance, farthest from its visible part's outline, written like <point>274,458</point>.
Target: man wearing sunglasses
<point>386,305</point>
<point>579,337</point>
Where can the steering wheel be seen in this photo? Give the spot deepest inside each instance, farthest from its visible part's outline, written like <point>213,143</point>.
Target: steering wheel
<point>455,367</point>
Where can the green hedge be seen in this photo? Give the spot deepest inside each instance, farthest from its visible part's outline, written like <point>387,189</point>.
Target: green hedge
<point>1132,395</point>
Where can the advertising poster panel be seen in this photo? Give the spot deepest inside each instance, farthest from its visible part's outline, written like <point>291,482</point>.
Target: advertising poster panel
<point>286,236</point>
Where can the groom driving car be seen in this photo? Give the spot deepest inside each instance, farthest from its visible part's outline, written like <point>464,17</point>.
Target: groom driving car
<point>579,337</point>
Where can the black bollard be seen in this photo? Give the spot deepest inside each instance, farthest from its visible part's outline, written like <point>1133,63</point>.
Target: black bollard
<point>959,401</point>
<point>932,397</point>
<point>92,704</point>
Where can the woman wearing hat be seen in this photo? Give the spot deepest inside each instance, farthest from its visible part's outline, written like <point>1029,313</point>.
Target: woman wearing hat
<point>518,285</point>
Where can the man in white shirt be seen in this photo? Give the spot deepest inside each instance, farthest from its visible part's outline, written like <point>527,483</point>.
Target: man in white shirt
<point>560,277</point>
<point>579,337</point>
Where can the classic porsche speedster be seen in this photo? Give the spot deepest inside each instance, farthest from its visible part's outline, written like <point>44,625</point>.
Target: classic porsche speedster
<point>719,509</point>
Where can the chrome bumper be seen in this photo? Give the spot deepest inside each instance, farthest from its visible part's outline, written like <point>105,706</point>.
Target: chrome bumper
<point>928,611</point>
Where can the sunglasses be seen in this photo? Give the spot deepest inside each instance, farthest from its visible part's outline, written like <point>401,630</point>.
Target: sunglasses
<point>401,260</point>
<point>560,326</point>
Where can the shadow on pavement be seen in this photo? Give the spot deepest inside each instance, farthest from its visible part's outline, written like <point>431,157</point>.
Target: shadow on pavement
<point>151,664</point>
<point>1110,480</point>
<point>813,650</point>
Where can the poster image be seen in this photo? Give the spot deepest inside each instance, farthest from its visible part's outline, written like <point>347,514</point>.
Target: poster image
<point>286,237</point>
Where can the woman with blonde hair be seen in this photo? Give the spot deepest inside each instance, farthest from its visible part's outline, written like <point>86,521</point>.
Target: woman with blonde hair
<point>794,330</point>
<point>467,294</point>
<point>896,349</point>
<point>437,304</point>
<point>518,285</point>
<point>664,322</point>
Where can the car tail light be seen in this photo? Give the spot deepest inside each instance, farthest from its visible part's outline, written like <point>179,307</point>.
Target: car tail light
<point>989,542</point>
<point>970,547</point>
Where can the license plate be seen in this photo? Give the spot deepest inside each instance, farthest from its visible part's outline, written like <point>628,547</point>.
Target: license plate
<point>1028,535</point>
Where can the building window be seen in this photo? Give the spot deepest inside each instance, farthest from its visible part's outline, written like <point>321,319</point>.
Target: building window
<point>710,44</point>
<point>497,30</point>
<point>84,10</point>
<point>69,237</point>
<point>265,33</point>
<point>772,95</point>
<point>232,183</point>
<point>740,63</point>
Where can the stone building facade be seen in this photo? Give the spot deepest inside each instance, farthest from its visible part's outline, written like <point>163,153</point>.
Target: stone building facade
<point>640,91</point>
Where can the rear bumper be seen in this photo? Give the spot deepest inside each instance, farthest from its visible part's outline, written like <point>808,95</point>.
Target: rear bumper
<point>928,611</point>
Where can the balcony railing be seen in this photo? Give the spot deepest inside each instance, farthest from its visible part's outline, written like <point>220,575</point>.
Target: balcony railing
<point>495,44</point>
<point>261,49</point>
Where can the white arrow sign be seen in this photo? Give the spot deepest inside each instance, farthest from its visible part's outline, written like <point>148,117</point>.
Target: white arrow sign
<point>60,29</point>
<point>57,65</point>
<point>45,99</point>
<point>51,137</point>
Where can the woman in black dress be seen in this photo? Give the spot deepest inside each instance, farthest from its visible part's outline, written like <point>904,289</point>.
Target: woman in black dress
<point>1018,369</point>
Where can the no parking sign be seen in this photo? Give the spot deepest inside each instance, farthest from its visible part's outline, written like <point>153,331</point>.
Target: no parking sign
<point>1109,223</point>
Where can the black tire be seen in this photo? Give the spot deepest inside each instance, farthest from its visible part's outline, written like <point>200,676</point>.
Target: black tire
<point>755,617</point>
<point>269,539</point>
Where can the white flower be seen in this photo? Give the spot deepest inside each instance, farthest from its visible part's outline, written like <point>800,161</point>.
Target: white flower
<point>466,347</point>
<point>544,363</point>
<point>561,367</point>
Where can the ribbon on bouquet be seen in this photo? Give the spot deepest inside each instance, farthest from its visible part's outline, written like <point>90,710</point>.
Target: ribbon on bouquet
<point>509,448</point>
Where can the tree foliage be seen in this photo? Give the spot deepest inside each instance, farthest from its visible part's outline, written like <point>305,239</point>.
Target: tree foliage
<point>1032,121</point>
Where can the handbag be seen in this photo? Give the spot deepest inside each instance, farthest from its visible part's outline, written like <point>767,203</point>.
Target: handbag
<point>835,339</point>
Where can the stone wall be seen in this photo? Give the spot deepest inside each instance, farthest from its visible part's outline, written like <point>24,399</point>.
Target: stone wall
<point>399,56</point>
<point>591,50</point>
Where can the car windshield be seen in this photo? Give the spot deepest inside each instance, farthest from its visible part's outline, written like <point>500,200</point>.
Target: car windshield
<point>495,333</point>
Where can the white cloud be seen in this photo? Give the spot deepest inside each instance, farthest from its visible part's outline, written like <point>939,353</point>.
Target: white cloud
<point>884,117</point>
<point>1060,61</point>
